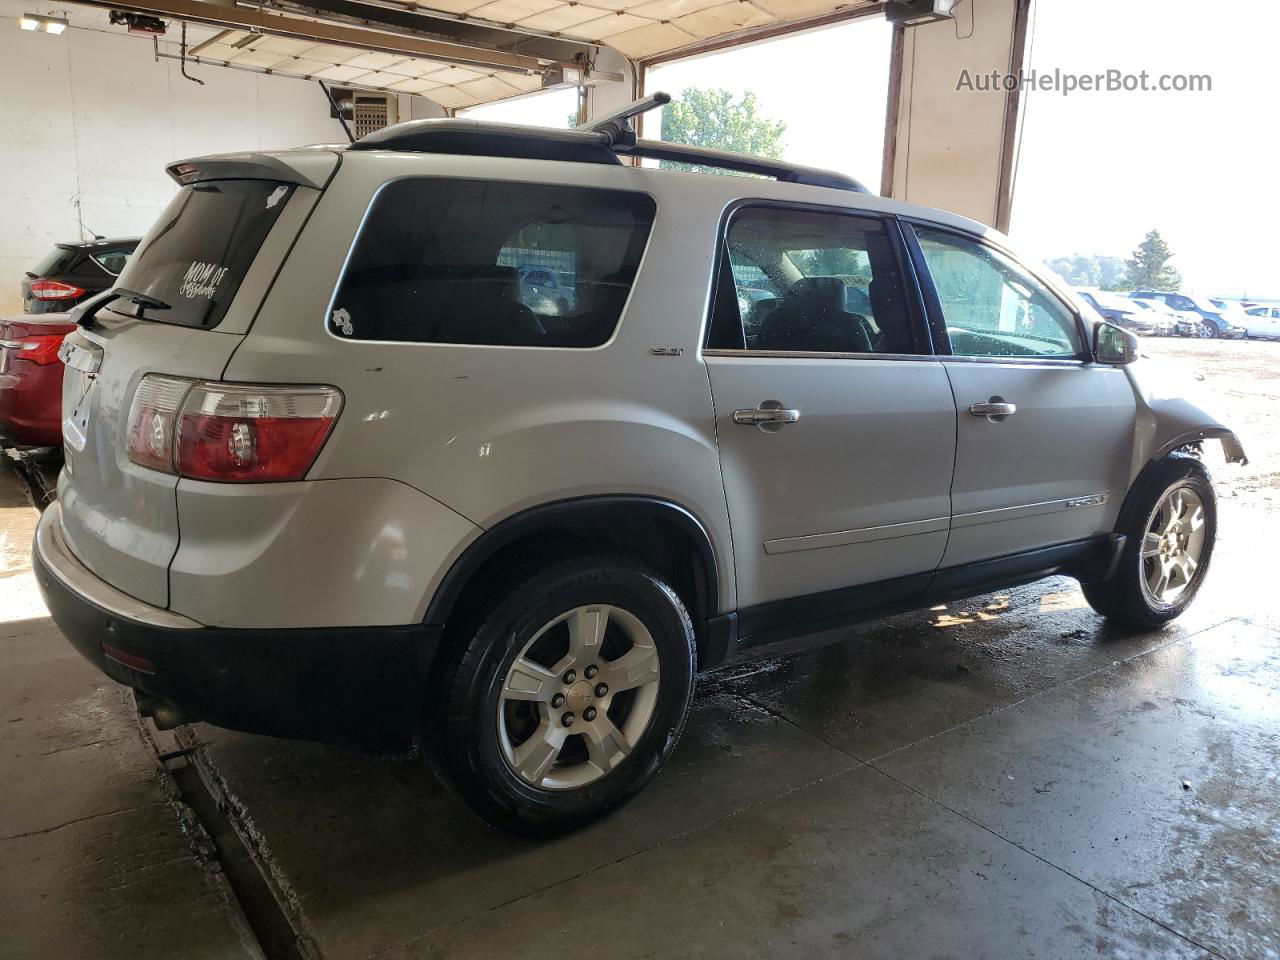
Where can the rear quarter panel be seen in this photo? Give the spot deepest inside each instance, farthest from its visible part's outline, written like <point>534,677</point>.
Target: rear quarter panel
<point>490,431</point>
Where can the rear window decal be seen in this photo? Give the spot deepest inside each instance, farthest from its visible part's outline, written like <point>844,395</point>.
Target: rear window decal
<point>201,280</point>
<point>278,194</point>
<point>342,320</point>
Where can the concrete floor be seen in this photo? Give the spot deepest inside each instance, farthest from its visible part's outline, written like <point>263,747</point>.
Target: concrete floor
<point>1005,777</point>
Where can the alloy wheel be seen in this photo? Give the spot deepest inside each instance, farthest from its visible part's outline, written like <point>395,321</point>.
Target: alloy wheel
<point>578,697</point>
<point>1173,545</point>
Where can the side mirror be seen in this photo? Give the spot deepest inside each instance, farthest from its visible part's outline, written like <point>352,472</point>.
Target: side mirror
<point>1114,346</point>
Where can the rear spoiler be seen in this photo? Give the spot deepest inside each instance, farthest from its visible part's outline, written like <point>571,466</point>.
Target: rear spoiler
<point>305,168</point>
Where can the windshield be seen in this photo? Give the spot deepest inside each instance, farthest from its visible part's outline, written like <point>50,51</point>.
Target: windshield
<point>188,270</point>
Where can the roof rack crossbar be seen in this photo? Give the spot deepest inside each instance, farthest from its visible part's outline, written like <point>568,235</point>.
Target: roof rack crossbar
<point>616,129</point>
<point>743,163</point>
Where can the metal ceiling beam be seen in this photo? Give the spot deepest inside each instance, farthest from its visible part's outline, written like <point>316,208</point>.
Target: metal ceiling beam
<point>440,26</point>
<point>273,24</point>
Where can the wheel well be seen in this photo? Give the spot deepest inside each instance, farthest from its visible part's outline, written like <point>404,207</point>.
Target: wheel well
<point>661,538</point>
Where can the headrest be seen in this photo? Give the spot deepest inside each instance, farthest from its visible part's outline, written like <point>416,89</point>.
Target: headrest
<point>816,295</point>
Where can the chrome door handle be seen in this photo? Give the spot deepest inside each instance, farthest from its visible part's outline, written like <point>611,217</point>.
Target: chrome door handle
<point>769,416</point>
<point>995,409</point>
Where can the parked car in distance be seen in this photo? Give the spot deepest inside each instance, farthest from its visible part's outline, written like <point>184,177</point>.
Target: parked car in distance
<point>541,285</point>
<point>1262,323</point>
<point>73,272</point>
<point>1123,312</point>
<point>519,540</point>
<point>1214,320</point>
<point>31,379</point>
<point>1177,322</point>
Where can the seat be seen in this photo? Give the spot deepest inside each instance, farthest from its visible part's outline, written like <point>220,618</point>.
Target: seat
<point>812,317</point>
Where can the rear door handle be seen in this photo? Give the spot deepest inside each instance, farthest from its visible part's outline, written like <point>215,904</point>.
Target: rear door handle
<point>769,416</point>
<point>995,409</point>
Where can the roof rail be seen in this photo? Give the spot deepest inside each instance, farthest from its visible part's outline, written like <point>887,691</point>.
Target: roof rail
<point>600,141</point>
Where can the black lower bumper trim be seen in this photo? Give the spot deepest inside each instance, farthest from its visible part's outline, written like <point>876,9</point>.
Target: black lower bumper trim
<point>353,685</point>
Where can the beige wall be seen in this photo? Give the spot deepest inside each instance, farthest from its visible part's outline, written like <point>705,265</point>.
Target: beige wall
<point>950,142</point>
<point>91,119</point>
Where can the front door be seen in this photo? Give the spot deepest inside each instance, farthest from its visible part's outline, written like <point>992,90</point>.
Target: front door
<point>836,427</point>
<point>1044,436</point>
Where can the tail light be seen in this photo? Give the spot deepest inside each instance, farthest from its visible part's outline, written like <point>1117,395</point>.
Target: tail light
<point>42,350</point>
<point>230,432</point>
<point>153,420</point>
<point>53,290</point>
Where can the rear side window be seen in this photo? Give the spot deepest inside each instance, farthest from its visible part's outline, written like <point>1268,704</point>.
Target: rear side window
<point>478,262</point>
<point>810,281</point>
<point>201,248</point>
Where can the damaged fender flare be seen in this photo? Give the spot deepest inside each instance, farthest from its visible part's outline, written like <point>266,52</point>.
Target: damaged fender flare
<point>1231,447</point>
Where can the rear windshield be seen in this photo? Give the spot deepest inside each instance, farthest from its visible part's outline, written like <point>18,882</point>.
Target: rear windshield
<point>200,250</point>
<point>55,262</point>
<point>478,262</point>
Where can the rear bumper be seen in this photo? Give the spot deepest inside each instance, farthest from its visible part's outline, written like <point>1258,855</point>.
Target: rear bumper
<point>360,685</point>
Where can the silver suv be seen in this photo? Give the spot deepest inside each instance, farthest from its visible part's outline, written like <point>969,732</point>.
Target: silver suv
<point>336,470</point>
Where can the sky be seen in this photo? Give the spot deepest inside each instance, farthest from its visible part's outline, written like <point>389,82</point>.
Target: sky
<point>1096,171</point>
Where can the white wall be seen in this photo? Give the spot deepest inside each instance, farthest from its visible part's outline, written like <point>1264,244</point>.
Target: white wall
<point>92,119</point>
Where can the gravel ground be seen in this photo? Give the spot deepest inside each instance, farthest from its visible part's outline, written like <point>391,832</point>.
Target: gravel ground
<point>1241,379</point>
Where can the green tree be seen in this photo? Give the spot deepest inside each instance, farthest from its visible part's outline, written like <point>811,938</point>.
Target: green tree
<point>1107,273</point>
<point>718,120</point>
<point>1149,267</point>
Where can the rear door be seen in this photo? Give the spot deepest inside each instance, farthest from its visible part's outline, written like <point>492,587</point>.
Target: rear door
<point>836,426</point>
<point>186,298</point>
<point>1044,435</point>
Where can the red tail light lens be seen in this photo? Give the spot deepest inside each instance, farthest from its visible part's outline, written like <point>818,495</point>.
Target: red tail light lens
<point>229,432</point>
<point>42,350</point>
<point>53,290</point>
<point>240,433</point>
<point>153,419</point>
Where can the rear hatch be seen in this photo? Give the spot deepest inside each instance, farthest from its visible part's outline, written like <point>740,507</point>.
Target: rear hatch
<point>185,301</point>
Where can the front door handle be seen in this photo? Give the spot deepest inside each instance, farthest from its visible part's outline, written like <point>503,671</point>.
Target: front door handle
<point>770,416</point>
<point>996,409</point>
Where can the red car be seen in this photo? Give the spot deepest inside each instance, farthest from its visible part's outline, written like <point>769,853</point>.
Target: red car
<point>31,378</point>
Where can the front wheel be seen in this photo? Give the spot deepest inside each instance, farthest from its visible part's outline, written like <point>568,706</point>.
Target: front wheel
<point>568,698</point>
<point>1169,539</point>
<point>1207,331</point>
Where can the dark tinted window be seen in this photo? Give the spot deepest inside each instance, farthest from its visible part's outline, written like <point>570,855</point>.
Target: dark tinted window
<point>202,247</point>
<point>801,281</point>
<point>86,266</point>
<point>468,261</point>
<point>54,262</point>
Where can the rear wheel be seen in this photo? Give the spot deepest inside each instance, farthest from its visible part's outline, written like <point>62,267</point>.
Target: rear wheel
<point>568,698</point>
<point>1207,330</point>
<point>1170,535</point>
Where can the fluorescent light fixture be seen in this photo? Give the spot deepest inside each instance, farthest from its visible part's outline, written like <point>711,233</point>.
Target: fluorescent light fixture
<point>35,21</point>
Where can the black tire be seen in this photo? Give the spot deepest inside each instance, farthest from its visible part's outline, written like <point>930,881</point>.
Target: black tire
<point>1208,330</point>
<point>1123,597</point>
<point>463,731</point>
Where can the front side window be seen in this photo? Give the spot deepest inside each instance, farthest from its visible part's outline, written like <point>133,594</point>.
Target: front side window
<point>495,263</point>
<point>991,306</point>
<point>811,281</point>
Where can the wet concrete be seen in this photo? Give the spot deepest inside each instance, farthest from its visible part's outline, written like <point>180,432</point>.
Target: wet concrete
<point>1002,777</point>
<point>94,860</point>
<point>995,778</point>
